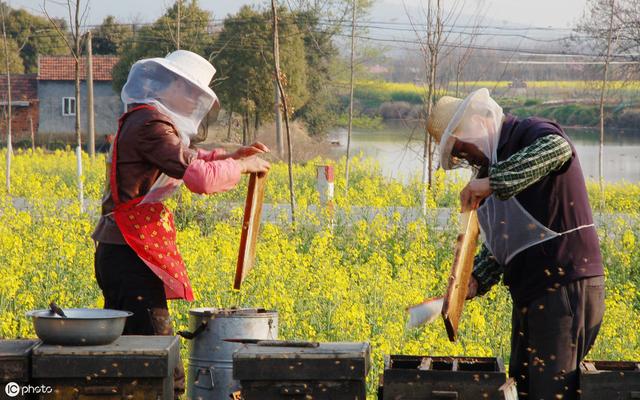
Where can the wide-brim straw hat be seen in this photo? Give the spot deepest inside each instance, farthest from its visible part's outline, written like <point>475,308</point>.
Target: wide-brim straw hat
<point>438,121</point>
<point>447,116</point>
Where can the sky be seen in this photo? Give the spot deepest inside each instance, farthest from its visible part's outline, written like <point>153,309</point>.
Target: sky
<point>538,13</point>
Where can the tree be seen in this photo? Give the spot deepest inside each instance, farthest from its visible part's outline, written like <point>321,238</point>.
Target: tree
<point>160,38</point>
<point>14,60</point>
<point>463,55</point>
<point>243,55</point>
<point>432,39</point>
<point>322,54</point>
<point>283,96</point>
<point>7,69</point>
<point>430,46</point>
<point>605,78</point>
<point>594,26</point>
<point>76,17</point>
<point>605,23</point>
<point>351,77</point>
<point>110,37</point>
<point>33,36</point>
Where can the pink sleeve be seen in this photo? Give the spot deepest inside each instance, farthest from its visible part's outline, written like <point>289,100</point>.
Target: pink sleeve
<point>207,177</point>
<point>212,155</point>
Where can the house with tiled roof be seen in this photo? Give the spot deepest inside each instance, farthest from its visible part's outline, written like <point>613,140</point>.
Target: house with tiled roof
<point>24,105</point>
<point>56,94</point>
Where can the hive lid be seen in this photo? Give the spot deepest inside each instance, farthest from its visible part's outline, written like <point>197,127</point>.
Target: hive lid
<point>128,356</point>
<point>16,349</point>
<point>14,359</point>
<point>597,367</point>
<point>448,364</point>
<point>470,374</point>
<point>328,361</point>
<point>609,379</point>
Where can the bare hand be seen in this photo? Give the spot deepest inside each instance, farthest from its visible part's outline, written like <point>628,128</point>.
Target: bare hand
<point>254,164</point>
<point>472,194</point>
<point>473,288</point>
<point>248,151</point>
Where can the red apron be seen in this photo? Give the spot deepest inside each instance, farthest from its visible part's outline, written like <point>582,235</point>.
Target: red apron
<point>149,230</point>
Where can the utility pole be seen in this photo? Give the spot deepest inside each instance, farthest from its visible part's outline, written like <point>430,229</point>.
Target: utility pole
<point>90,109</point>
<point>33,134</point>
<point>9,103</point>
<point>178,25</point>
<point>76,55</point>
<point>349,129</point>
<point>229,124</point>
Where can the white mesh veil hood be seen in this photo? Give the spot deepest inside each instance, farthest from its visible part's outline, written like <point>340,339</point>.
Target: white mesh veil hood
<point>173,90</point>
<point>477,121</point>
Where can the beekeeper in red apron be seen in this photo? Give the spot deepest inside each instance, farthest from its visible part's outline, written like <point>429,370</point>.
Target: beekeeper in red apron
<point>137,264</point>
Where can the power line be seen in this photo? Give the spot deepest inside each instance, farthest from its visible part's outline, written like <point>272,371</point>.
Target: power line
<point>382,25</point>
<point>490,48</point>
<point>524,62</point>
<point>144,38</point>
<point>212,23</point>
<point>193,25</point>
<point>187,27</point>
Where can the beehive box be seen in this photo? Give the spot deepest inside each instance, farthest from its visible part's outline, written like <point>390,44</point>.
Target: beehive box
<point>330,371</point>
<point>609,380</point>
<point>15,357</point>
<point>462,378</point>
<point>132,367</point>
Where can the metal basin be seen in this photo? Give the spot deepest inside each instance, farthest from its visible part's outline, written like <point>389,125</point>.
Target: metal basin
<point>82,327</point>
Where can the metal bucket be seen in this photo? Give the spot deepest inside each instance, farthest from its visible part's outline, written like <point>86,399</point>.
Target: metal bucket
<point>210,372</point>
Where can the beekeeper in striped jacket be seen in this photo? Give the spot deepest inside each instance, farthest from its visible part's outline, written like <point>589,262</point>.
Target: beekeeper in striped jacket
<point>538,232</point>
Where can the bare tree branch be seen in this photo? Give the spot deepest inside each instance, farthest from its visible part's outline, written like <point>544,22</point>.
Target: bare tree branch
<point>55,26</point>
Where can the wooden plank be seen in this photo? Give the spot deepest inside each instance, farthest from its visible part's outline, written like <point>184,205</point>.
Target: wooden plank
<point>460,273</point>
<point>425,364</point>
<point>509,390</point>
<point>250,227</point>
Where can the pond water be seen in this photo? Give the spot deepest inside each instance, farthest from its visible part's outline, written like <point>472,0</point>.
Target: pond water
<point>398,149</point>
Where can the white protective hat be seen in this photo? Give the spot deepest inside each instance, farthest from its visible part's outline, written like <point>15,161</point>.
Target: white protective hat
<point>191,66</point>
<point>153,81</point>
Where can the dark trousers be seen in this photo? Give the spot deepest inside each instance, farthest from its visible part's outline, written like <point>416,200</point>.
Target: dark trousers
<point>552,335</point>
<point>128,284</point>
